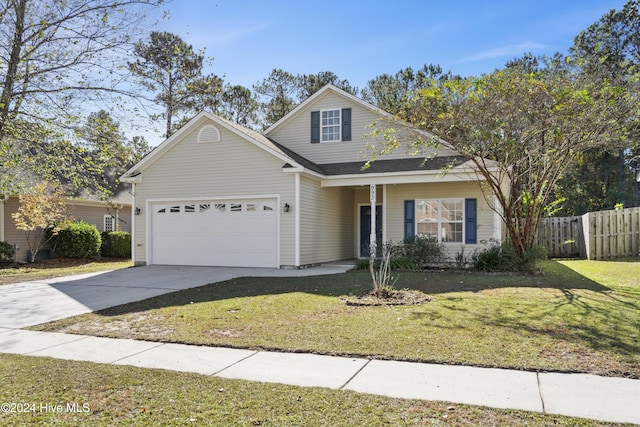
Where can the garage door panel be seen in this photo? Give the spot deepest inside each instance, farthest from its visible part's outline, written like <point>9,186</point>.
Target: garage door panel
<point>215,232</point>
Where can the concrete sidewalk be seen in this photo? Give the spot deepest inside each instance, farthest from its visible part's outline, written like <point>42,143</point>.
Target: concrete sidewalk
<point>577,395</point>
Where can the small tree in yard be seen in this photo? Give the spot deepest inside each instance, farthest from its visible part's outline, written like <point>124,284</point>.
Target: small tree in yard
<point>381,278</point>
<point>40,210</point>
<point>519,127</point>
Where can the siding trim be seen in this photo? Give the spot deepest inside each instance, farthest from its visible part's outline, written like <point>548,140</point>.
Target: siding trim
<point>133,223</point>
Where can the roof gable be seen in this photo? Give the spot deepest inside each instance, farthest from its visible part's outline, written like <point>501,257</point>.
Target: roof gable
<point>313,98</point>
<point>249,135</point>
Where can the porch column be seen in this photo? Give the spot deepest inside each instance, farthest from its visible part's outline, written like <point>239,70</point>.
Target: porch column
<point>2,201</point>
<point>372,236</point>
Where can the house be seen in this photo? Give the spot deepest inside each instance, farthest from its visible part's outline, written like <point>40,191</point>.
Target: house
<point>116,215</point>
<point>216,193</point>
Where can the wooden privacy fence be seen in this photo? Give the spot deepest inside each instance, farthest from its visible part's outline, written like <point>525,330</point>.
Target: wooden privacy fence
<point>594,235</point>
<point>563,237</point>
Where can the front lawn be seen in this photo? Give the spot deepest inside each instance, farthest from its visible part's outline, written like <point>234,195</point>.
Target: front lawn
<point>581,316</point>
<point>61,392</point>
<point>58,267</point>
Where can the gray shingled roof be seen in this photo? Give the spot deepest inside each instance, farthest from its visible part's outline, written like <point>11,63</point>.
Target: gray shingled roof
<point>379,166</point>
<point>393,165</point>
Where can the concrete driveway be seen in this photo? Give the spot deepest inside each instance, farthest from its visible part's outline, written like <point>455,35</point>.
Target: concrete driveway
<point>31,303</point>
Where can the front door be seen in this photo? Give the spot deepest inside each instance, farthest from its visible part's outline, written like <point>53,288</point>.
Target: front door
<point>365,230</point>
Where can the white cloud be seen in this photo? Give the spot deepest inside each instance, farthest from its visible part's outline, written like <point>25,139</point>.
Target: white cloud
<point>505,51</point>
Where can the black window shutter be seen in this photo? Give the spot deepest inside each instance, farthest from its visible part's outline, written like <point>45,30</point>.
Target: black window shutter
<point>346,124</point>
<point>409,218</point>
<point>315,126</point>
<point>471,221</point>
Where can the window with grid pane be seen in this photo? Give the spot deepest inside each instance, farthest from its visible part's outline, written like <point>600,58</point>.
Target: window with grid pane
<point>109,223</point>
<point>330,125</point>
<point>442,219</point>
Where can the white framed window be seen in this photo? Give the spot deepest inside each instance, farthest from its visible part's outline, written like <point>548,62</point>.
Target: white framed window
<point>441,218</point>
<point>330,124</point>
<point>109,223</point>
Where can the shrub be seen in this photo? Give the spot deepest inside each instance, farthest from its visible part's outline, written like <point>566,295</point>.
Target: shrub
<point>77,240</point>
<point>502,257</point>
<point>403,262</point>
<point>116,244</point>
<point>6,251</point>
<point>362,264</point>
<point>423,250</point>
<point>461,261</point>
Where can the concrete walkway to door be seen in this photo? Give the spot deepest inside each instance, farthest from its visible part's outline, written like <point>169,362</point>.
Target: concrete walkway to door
<point>31,303</point>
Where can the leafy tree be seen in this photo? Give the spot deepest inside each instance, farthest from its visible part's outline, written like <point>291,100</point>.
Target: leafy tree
<point>39,214</point>
<point>87,165</point>
<point>59,55</point>
<point>519,130</point>
<point>391,93</point>
<point>610,46</point>
<point>167,65</point>
<point>284,91</point>
<point>105,153</point>
<point>311,83</point>
<point>140,147</point>
<point>239,105</point>
<point>280,88</point>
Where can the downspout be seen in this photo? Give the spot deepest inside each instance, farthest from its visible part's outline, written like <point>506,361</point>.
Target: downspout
<point>3,200</point>
<point>296,211</point>
<point>133,222</point>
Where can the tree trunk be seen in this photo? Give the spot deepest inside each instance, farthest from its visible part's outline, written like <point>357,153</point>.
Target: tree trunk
<point>20,7</point>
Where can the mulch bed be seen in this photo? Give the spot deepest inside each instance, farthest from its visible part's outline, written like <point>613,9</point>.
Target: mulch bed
<point>384,297</point>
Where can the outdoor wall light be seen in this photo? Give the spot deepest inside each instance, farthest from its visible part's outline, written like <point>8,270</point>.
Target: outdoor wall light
<point>138,210</point>
<point>287,207</point>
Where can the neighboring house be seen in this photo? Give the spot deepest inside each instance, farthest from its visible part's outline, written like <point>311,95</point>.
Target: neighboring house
<point>115,216</point>
<point>216,193</point>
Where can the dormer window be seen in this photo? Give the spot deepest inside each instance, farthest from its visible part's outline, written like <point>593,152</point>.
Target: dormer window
<point>331,125</point>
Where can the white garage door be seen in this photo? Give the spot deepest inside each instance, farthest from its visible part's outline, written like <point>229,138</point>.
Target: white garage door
<point>235,233</point>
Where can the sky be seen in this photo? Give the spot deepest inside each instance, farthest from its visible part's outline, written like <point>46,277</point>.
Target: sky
<point>359,40</point>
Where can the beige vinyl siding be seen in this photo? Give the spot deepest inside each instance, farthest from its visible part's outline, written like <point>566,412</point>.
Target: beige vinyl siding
<point>94,215</point>
<point>295,134</point>
<point>11,234</point>
<point>233,167</point>
<point>326,222</point>
<point>91,213</point>
<point>397,194</point>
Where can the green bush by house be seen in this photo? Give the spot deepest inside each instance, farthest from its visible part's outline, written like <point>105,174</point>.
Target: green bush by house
<point>77,240</point>
<point>6,251</point>
<point>116,244</point>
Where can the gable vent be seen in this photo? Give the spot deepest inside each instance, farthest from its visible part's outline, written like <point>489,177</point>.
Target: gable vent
<point>208,133</point>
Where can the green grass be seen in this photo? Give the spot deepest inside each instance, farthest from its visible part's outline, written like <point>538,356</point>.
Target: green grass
<point>123,395</point>
<point>58,268</point>
<point>580,316</point>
